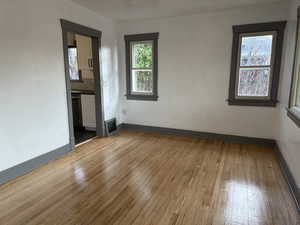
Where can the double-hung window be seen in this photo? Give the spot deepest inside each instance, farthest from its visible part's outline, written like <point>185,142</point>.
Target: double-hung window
<point>141,66</point>
<point>294,106</point>
<point>255,66</point>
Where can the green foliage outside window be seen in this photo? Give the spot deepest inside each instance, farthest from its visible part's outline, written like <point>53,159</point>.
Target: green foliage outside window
<point>142,62</point>
<point>143,55</point>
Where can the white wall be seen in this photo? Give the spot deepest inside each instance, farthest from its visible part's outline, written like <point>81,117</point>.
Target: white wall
<point>194,67</point>
<point>287,133</point>
<point>33,113</point>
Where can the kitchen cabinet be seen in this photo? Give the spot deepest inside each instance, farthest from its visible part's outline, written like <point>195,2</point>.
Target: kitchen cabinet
<point>85,56</point>
<point>88,111</point>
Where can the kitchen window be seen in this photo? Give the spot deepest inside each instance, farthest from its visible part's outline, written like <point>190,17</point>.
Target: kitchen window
<point>75,74</point>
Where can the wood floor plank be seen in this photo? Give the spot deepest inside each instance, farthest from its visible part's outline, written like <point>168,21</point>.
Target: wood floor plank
<point>139,178</point>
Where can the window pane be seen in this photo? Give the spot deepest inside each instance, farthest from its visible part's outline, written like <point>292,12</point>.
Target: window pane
<point>254,82</point>
<point>142,81</point>
<point>142,55</point>
<point>256,50</point>
<point>73,64</point>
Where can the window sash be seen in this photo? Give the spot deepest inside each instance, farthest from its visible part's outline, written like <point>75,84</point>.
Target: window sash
<point>257,89</point>
<point>271,66</point>
<point>132,53</point>
<point>134,92</point>
<point>141,68</point>
<point>144,70</point>
<point>132,68</point>
<point>252,67</point>
<point>142,78</point>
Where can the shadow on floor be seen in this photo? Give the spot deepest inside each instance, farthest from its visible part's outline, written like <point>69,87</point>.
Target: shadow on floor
<point>83,135</point>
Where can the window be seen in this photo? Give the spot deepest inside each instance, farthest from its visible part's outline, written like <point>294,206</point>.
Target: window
<point>255,65</point>
<point>294,107</point>
<point>141,66</point>
<point>75,74</point>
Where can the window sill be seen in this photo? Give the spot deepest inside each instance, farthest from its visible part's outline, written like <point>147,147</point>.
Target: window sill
<point>294,115</point>
<point>142,97</point>
<point>260,103</point>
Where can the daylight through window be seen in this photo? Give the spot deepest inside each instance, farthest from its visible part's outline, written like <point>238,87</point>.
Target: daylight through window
<point>255,66</point>
<point>73,64</point>
<point>141,66</point>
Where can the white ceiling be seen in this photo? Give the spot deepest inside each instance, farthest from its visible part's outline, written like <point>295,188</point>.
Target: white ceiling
<point>142,9</point>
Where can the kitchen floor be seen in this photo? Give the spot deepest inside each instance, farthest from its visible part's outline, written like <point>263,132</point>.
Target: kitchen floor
<point>83,135</point>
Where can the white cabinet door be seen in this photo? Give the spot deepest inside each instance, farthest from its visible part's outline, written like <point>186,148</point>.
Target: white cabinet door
<point>88,111</point>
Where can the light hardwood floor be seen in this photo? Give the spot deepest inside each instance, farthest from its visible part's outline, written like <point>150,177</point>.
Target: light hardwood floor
<point>152,179</point>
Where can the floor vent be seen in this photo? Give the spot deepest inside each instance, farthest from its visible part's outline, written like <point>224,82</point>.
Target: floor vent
<point>111,126</point>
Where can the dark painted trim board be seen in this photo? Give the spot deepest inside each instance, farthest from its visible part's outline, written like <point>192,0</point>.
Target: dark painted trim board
<point>95,36</point>
<point>34,163</point>
<point>129,39</point>
<point>198,134</point>
<point>260,28</point>
<point>295,191</point>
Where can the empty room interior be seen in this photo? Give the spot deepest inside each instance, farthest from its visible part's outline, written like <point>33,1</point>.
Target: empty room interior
<point>150,112</point>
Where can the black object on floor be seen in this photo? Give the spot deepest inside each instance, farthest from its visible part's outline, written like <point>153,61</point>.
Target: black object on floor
<point>111,126</point>
<point>83,135</point>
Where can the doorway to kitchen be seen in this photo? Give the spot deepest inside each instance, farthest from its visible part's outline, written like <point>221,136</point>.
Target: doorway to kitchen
<point>83,84</point>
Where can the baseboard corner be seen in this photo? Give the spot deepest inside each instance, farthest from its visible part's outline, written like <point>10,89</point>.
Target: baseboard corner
<point>294,189</point>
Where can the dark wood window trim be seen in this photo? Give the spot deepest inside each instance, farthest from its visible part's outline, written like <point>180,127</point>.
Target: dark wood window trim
<point>293,112</point>
<point>279,28</point>
<point>294,116</point>
<point>135,38</point>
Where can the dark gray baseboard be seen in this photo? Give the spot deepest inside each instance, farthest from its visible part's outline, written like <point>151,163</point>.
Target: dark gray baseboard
<point>295,191</point>
<point>29,165</point>
<point>198,134</point>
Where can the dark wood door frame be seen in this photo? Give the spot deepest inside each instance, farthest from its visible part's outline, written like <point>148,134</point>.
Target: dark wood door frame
<point>68,26</point>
